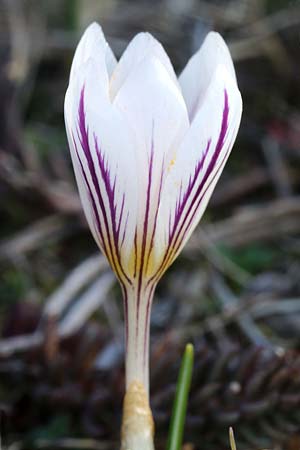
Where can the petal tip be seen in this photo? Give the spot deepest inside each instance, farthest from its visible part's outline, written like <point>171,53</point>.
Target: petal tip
<point>93,27</point>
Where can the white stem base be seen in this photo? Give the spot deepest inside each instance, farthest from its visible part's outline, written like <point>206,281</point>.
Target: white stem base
<point>137,425</point>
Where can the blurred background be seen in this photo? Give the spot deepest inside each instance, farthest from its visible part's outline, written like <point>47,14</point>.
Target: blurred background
<point>235,290</point>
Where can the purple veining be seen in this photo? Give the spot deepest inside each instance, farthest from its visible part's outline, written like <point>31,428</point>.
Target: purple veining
<point>212,162</point>
<point>145,228</point>
<point>135,254</point>
<point>156,214</point>
<point>181,204</point>
<point>124,231</point>
<point>197,198</point>
<point>186,207</point>
<point>120,218</point>
<point>95,210</point>
<point>177,232</point>
<point>110,191</point>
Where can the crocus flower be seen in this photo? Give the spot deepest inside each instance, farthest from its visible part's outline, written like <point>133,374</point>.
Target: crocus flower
<point>147,150</point>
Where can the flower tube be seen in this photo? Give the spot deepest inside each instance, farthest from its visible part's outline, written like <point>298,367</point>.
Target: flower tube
<point>147,151</point>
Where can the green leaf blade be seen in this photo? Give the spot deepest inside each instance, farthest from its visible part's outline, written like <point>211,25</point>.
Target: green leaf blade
<point>181,398</point>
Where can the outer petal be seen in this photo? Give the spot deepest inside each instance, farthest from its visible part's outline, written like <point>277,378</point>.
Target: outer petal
<point>199,163</point>
<point>93,45</point>
<point>197,74</point>
<point>156,112</point>
<point>142,46</point>
<point>104,166</point>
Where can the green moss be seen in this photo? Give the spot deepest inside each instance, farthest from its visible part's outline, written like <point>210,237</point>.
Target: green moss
<point>13,286</point>
<point>254,258</point>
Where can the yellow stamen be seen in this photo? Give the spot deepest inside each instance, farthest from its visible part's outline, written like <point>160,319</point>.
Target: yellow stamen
<point>171,163</point>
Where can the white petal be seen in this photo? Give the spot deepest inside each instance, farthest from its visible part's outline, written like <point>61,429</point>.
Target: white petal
<point>142,46</point>
<point>157,114</point>
<point>197,74</point>
<point>93,45</point>
<point>200,161</point>
<point>103,157</point>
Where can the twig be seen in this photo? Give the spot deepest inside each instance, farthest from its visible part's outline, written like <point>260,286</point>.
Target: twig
<point>75,281</point>
<point>33,236</point>
<point>253,224</point>
<point>269,308</point>
<point>20,343</point>
<point>277,166</point>
<point>60,195</point>
<point>244,320</point>
<point>74,319</point>
<point>220,261</point>
<point>240,185</point>
<point>261,30</point>
<point>277,21</point>
<point>88,303</point>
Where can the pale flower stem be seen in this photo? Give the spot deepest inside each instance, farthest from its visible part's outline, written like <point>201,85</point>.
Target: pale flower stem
<point>137,425</point>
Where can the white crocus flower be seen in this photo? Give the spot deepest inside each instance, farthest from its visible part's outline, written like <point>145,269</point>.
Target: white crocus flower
<point>147,150</point>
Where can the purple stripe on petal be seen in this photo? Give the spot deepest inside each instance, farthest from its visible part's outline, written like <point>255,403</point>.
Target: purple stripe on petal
<point>120,219</point>
<point>94,207</point>
<point>177,232</point>
<point>155,217</point>
<point>197,198</point>
<point>214,158</point>
<point>181,204</point>
<point>110,191</point>
<point>113,241</point>
<point>84,140</point>
<point>145,225</point>
<point>124,231</point>
<point>212,163</point>
<point>190,222</point>
<point>135,253</point>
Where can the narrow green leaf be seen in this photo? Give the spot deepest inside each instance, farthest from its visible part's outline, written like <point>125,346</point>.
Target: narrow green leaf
<point>181,397</point>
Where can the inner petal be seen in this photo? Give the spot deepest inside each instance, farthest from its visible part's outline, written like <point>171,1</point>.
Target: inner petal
<point>142,46</point>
